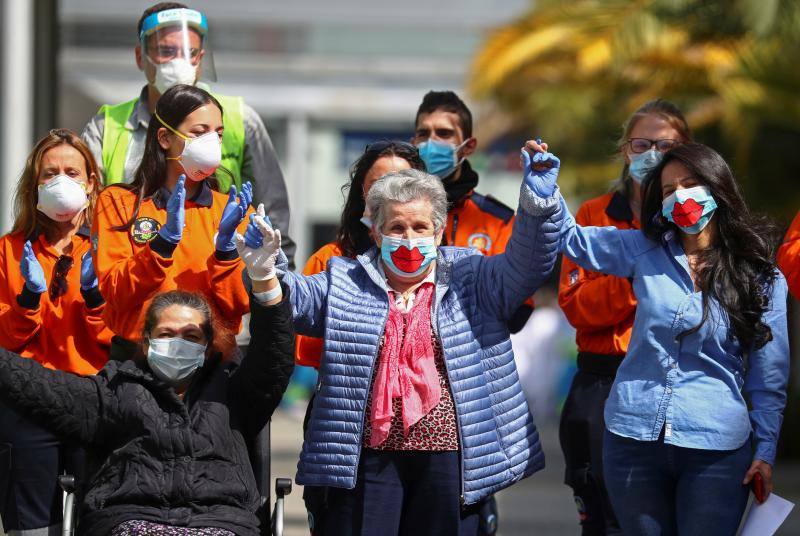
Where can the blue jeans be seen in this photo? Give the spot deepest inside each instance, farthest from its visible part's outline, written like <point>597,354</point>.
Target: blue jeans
<point>661,489</point>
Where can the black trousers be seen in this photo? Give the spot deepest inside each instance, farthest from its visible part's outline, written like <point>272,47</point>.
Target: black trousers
<point>405,493</point>
<point>581,435</point>
<point>31,458</point>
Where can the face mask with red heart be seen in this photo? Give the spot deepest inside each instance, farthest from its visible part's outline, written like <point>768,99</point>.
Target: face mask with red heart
<point>690,209</point>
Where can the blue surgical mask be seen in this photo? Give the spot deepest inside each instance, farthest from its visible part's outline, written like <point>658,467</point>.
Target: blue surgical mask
<point>642,163</point>
<point>175,359</point>
<point>440,157</point>
<point>690,209</point>
<point>414,257</point>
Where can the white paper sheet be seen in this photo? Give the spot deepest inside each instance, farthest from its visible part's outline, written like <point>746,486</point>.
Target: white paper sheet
<point>764,519</point>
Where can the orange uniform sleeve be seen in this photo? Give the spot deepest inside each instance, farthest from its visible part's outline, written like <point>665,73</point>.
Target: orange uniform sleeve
<point>127,278</point>
<point>503,236</point>
<point>225,277</point>
<point>18,324</point>
<point>789,257</point>
<point>308,350</point>
<point>590,299</point>
<point>96,326</point>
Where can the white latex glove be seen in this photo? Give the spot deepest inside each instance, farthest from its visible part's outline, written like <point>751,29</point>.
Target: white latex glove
<point>259,248</point>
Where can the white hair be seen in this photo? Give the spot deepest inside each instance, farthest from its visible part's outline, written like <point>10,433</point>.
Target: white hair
<point>406,186</point>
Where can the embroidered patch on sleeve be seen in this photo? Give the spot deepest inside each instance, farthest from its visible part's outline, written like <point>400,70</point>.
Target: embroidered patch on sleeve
<point>573,277</point>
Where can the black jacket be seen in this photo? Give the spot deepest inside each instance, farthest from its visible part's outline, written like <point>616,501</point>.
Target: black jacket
<point>160,458</point>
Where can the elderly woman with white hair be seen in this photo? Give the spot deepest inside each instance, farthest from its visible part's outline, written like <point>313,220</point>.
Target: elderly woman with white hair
<point>419,412</point>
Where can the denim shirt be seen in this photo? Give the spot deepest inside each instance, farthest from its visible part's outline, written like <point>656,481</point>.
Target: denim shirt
<point>692,387</point>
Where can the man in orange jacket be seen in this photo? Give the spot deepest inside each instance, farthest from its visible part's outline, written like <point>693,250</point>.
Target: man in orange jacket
<point>789,257</point>
<point>443,134</point>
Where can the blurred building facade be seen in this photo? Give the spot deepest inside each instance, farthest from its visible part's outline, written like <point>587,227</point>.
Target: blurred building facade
<point>327,78</point>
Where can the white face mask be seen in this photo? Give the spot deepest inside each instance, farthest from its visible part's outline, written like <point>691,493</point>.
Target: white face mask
<point>175,359</point>
<point>61,198</point>
<point>201,156</point>
<point>172,73</point>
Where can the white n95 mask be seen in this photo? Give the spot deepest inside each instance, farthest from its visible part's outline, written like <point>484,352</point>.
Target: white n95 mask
<point>175,359</point>
<point>61,198</point>
<point>201,156</point>
<point>172,73</point>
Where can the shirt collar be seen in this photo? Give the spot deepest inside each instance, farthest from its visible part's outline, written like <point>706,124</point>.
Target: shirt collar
<point>141,115</point>
<point>619,208</point>
<point>203,197</point>
<point>82,231</point>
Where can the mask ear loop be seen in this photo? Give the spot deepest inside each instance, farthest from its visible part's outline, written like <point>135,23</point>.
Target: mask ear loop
<point>170,128</point>
<point>185,138</point>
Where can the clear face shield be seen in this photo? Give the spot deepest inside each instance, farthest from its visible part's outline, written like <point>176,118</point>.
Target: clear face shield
<point>175,49</point>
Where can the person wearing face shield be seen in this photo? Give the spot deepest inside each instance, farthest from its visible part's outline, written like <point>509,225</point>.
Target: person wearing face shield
<point>174,49</point>
<point>602,308</point>
<point>419,414</point>
<point>50,313</point>
<point>169,228</point>
<point>165,423</point>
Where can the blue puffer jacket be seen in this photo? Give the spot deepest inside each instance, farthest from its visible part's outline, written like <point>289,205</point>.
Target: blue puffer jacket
<point>475,295</point>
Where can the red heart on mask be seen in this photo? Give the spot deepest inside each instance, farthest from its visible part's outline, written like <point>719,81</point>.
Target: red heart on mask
<point>687,214</point>
<point>407,260</point>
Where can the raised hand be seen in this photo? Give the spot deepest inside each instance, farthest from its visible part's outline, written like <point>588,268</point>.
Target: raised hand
<point>259,255</point>
<point>172,231</point>
<point>88,275</point>
<point>540,168</point>
<point>252,235</point>
<point>31,270</point>
<point>232,216</point>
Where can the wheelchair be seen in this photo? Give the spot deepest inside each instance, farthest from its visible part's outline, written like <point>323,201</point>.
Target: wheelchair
<point>271,524</point>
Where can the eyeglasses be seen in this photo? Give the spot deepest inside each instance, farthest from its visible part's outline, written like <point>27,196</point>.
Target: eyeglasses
<point>640,145</point>
<point>382,145</point>
<point>58,283</point>
<point>165,53</point>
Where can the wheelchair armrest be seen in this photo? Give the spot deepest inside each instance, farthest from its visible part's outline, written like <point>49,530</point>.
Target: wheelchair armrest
<point>67,483</point>
<point>283,487</point>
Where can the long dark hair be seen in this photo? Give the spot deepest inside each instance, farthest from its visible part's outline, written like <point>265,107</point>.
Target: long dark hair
<point>738,271</point>
<point>353,236</point>
<point>173,107</point>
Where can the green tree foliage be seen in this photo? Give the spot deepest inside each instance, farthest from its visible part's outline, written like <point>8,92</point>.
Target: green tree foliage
<point>572,72</point>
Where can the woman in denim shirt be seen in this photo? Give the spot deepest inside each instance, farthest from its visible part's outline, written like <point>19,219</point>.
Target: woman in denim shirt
<point>710,332</point>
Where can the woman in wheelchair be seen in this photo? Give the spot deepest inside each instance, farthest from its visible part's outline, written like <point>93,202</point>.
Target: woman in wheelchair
<point>166,426</point>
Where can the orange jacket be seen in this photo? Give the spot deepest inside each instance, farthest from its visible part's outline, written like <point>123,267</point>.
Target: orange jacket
<point>478,221</point>
<point>135,264</point>
<point>66,333</point>
<point>600,307</point>
<point>789,257</point>
<point>308,350</point>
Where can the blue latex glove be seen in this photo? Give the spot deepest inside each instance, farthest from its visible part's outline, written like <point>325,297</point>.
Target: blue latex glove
<point>252,236</point>
<point>88,276</point>
<point>540,172</point>
<point>31,270</point>
<point>172,231</point>
<point>232,216</point>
